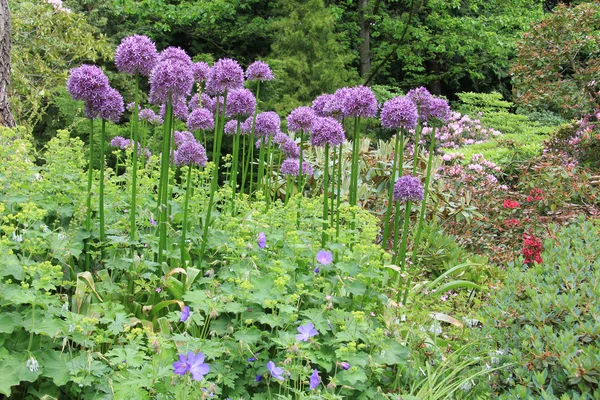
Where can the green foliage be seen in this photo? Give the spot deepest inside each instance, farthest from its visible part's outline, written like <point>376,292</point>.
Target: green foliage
<point>544,320</point>
<point>483,102</point>
<point>558,62</point>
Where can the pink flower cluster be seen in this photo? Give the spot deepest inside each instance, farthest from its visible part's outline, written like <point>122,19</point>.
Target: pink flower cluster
<point>461,131</point>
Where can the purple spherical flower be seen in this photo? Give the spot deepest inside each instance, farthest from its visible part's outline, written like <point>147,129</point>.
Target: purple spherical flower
<point>86,82</point>
<point>324,257</point>
<point>200,119</point>
<point>267,123</point>
<point>190,152</point>
<point>306,332</point>
<point>327,130</point>
<point>279,138</point>
<point>185,314</point>
<point>276,372</point>
<point>200,71</point>
<point>111,106</point>
<point>195,102</point>
<point>314,380</point>
<point>131,106</point>
<point>226,74</point>
<point>261,240</point>
<point>240,103</point>
<point>422,99</point>
<point>291,166</point>
<point>301,119</point>
<point>179,106</point>
<point>259,71</point>
<point>399,112</point>
<point>193,363</point>
<point>179,137</point>
<point>146,114</point>
<point>136,53</point>
<point>320,104</point>
<point>289,148</point>
<point>120,142</point>
<point>231,127</point>
<point>247,125</point>
<point>170,77</point>
<point>408,188</point>
<point>359,101</point>
<point>175,54</point>
<point>439,110</point>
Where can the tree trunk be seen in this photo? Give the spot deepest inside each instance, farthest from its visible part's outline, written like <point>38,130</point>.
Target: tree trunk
<point>6,117</point>
<point>364,48</point>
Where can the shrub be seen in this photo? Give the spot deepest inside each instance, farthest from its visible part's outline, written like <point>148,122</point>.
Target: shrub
<point>544,320</point>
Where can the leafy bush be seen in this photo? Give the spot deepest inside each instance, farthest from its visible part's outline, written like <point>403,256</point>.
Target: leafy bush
<point>543,321</point>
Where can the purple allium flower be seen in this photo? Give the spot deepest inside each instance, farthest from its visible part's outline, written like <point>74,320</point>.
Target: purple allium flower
<point>200,71</point>
<point>194,102</point>
<point>240,103</point>
<point>399,112</point>
<point>344,365</point>
<point>259,71</point>
<point>324,257</point>
<point>408,188</point>
<point>439,110</point>
<point>276,372</point>
<point>200,119</point>
<point>190,152</point>
<point>180,137</point>
<point>261,240</point>
<point>119,141</point>
<point>335,106</point>
<point>301,119</point>
<point>180,109</point>
<point>314,380</point>
<point>267,123</point>
<point>177,54</point>
<point>193,363</point>
<point>289,148</point>
<point>185,314</point>
<point>359,101</point>
<point>291,166</point>
<point>170,77</point>
<point>130,106</point>
<point>327,130</point>
<point>136,53</point>
<point>226,74</point>
<point>110,106</point>
<point>320,104</point>
<point>146,114</point>
<point>86,82</point>
<point>306,332</point>
<point>247,125</point>
<point>422,99</point>
<point>231,127</point>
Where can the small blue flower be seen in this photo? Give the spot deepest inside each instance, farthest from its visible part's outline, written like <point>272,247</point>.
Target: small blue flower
<point>276,372</point>
<point>324,257</point>
<point>261,240</point>
<point>193,363</point>
<point>185,314</point>
<point>258,378</point>
<point>344,365</point>
<point>314,380</point>
<point>316,270</point>
<point>306,332</point>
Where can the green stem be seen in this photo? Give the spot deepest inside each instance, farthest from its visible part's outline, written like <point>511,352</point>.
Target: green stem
<point>234,173</point>
<point>101,191</point>
<point>339,192</point>
<point>325,199</point>
<point>355,159</point>
<point>251,144</point>
<point>88,219</point>
<point>244,164</point>
<point>185,214</point>
<point>386,221</point>
<point>300,178</point>
<point>402,254</point>
<point>164,177</point>
<point>132,211</point>
<point>333,172</point>
<point>416,151</point>
<point>267,186</point>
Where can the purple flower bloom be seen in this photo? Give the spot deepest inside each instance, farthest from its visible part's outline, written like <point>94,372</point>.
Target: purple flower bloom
<point>247,125</point>
<point>226,74</point>
<point>131,106</point>
<point>324,257</point>
<point>408,188</point>
<point>422,99</point>
<point>146,114</point>
<point>86,82</point>
<point>110,106</point>
<point>185,314</point>
<point>154,223</point>
<point>291,166</point>
<point>289,148</point>
<point>253,358</point>
<point>306,332</point>
<point>240,103</point>
<point>190,152</point>
<point>193,363</point>
<point>261,240</point>
<point>359,101</point>
<point>180,137</point>
<point>120,142</point>
<point>200,119</point>
<point>320,104</point>
<point>399,112</point>
<point>316,270</point>
<point>327,130</point>
<point>259,71</point>
<point>439,110</point>
<point>301,119</point>
<point>136,53</point>
<point>200,71</point>
<point>276,372</point>
<point>231,127</point>
<point>314,380</point>
<point>267,123</point>
<point>258,378</point>
<point>180,109</point>
<point>176,54</point>
<point>344,365</point>
<point>170,77</point>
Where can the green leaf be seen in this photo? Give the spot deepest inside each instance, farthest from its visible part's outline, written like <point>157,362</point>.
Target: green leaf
<point>249,336</point>
<point>54,366</point>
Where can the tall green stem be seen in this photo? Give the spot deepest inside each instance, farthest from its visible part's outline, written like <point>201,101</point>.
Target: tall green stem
<point>416,151</point>
<point>164,182</point>
<point>333,172</point>
<point>300,178</point>
<point>251,144</point>
<point>88,219</point>
<point>325,199</point>
<point>101,190</point>
<point>386,221</point>
<point>267,186</point>
<point>401,255</point>
<point>132,211</point>
<point>353,196</point>
<point>234,169</point>
<point>339,192</point>
<point>185,214</point>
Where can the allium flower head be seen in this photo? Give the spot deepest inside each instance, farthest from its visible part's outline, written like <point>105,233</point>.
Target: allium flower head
<point>172,77</point>
<point>439,110</point>
<point>301,119</point>
<point>335,106</point>
<point>320,104</point>
<point>399,112</point>
<point>136,53</point>
<point>86,82</point>
<point>226,74</point>
<point>324,257</point>
<point>190,152</point>
<point>359,101</point>
<point>179,137</point>
<point>327,130</point>
<point>172,53</point>
<point>131,106</point>
<point>287,145</point>
<point>120,142</point>
<point>200,71</point>
<point>193,363</point>
<point>231,127</point>
<point>180,109</point>
<point>267,123</point>
<point>240,103</point>
<point>276,372</point>
<point>259,71</point>
<point>422,99</point>
<point>261,240</point>
<point>306,332</point>
<point>291,166</point>
<point>408,188</point>
<point>185,314</point>
<point>111,106</point>
<point>314,380</point>
<point>200,119</point>
<point>146,114</point>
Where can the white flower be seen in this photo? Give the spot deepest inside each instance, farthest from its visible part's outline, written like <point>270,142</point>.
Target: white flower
<point>17,238</point>
<point>32,364</point>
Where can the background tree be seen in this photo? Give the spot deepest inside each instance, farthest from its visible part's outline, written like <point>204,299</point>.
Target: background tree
<point>6,117</point>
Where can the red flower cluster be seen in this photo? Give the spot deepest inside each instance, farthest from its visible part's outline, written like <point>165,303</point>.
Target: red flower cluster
<point>535,194</point>
<point>512,223</point>
<point>511,204</point>
<point>532,249</point>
